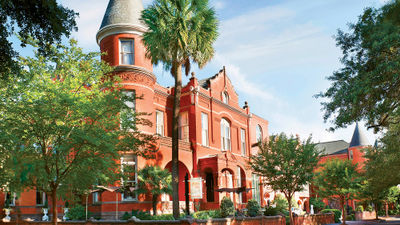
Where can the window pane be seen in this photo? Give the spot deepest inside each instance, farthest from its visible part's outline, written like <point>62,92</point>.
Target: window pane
<point>160,123</point>
<point>127,52</point>
<point>243,141</point>
<point>128,166</point>
<point>204,128</point>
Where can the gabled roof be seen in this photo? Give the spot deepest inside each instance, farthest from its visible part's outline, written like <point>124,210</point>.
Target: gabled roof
<point>358,139</point>
<point>123,12</point>
<point>333,147</point>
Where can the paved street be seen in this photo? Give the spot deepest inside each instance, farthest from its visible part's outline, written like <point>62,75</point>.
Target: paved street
<point>383,221</point>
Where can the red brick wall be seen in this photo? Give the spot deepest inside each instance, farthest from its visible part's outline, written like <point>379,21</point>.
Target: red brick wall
<point>270,220</point>
<point>314,219</point>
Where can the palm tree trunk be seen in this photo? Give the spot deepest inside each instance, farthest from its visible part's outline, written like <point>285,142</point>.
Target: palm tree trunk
<point>154,201</point>
<point>175,143</point>
<point>54,206</point>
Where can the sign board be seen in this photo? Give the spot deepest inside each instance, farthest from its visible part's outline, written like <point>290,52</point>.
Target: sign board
<point>196,188</point>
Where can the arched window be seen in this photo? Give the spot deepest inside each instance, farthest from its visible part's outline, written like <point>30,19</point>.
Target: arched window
<point>225,97</point>
<point>259,134</point>
<point>225,135</point>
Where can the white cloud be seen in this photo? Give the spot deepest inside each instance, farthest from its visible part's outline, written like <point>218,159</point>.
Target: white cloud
<point>218,5</point>
<point>91,13</point>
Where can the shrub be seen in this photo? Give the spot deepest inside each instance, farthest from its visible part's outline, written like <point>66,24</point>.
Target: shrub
<point>207,214</point>
<point>282,204</point>
<point>337,213</point>
<point>369,208</point>
<point>271,211</point>
<point>141,215</point>
<point>163,217</point>
<point>126,216</point>
<point>360,208</point>
<point>318,204</point>
<point>227,207</point>
<point>350,217</point>
<point>77,212</point>
<point>253,208</point>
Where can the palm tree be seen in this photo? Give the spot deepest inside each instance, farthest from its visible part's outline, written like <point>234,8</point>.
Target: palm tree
<point>180,32</point>
<point>156,181</point>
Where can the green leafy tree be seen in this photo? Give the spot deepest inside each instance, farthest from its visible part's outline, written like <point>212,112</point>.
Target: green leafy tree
<point>367,85</point>
<point>47,21</point>
<point>155,181</point>
<point>338,179</point>
<point>180,32</point>
<point>61,127</point>
<point>286,164</point>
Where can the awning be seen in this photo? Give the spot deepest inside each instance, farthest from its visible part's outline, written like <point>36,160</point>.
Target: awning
<point>235,190</point>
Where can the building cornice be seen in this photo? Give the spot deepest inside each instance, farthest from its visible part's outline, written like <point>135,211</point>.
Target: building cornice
<point>121,28</point>
<point>137,69</point>
<point>223,104</point>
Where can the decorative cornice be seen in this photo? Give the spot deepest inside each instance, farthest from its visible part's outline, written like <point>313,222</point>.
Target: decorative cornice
<point>121,28</point>
<point>137,69</point>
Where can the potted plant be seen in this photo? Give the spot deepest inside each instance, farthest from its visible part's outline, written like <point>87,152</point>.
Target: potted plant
<point>7,209</point>
<point>65,217</point>
<point>45,211</point>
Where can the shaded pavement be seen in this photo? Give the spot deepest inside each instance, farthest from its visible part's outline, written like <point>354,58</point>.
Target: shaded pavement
<point>382,221</point>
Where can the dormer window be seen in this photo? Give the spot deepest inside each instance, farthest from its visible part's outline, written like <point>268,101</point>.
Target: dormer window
<point>259,134</point>
<point>126,52</point>
<point>225,97</point>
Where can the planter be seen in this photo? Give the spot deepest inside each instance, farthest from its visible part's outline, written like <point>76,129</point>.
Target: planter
<point>7,218</point>
<point>45,216</point>
<point>65,218</point>
<point>365,215</point>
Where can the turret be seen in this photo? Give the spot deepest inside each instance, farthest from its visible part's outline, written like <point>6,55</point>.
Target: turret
<point>120,37</point>
<point>358,142</point>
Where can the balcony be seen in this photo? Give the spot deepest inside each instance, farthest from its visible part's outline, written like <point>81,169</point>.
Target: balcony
<point>167,142</point>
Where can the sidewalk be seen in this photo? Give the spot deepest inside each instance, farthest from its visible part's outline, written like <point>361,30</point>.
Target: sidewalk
<point>382,221</point>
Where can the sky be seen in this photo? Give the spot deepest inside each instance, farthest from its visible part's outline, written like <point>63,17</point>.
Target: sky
<point>277,54</point>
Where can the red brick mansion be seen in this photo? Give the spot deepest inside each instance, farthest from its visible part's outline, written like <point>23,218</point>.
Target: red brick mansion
<point>217,133</point>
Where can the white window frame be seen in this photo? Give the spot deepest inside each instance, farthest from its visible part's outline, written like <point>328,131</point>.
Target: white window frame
<point>183,124</point>
<point>259,133</point>
<point>243,141</point>
<point>44,197</point>
<point>129,163</point>
<point>256,187</point>
<point>204,129</point>
<point>95,196</point>
<point>225,97</point>
<point>14,196</point>
<point>121,53</point>
<point>351,154</point>
<point>160,122</point>
<point>239,185</point>
<point>225,135</point>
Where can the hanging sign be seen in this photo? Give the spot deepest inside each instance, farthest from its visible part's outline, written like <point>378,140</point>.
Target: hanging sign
<point>196,188</point>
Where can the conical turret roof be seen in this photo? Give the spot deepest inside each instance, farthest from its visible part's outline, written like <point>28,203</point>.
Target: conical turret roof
<point>122,12</point>
<point>122,16</point>
<point>358,139</point>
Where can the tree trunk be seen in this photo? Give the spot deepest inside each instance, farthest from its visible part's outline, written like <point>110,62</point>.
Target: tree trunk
<point>289,199</point>
<point>154,201</point>
<point>376,211</point>
<point>54,206</point>
<point>342,201</point>
<point>175,142</point>
<point>386,209</point>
